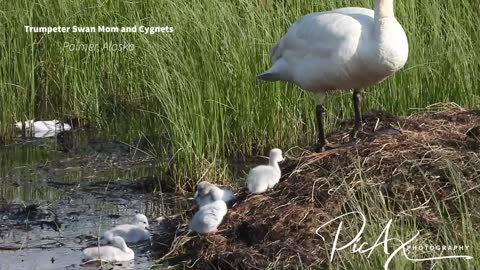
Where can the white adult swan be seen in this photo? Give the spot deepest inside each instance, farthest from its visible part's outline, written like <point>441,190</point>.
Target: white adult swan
<point>263,177</point>
<point>43,129</point>
<point>346,48</point>
<point>44,125</point>
<point>117,251</point>
<point>132,233</point>
<point>203,195</point>
<point>209,216</point>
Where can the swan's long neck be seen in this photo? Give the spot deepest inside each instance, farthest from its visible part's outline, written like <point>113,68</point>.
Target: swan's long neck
<point>386,26</point>
<point>274,163</point>
<point>383,9</point>
<point>390,45</point>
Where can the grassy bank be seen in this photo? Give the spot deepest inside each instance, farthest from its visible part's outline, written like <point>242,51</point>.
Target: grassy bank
<point>195,87</point>
<point>416,174</point>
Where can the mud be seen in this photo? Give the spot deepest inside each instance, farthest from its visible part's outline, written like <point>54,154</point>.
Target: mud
<point>407,158</point>
<point>58,194</point>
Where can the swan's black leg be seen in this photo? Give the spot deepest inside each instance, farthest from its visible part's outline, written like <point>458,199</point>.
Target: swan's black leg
<point>322,140</point>
<point>357,108</point>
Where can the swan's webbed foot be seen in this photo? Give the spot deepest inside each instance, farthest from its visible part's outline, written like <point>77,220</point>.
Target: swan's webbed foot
<point>322,147</point>
<point>213,232</point>
<point>357,135</point>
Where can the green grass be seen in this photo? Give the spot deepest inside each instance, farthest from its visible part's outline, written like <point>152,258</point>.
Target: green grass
<point>196,87</point>
<point>449,222</point>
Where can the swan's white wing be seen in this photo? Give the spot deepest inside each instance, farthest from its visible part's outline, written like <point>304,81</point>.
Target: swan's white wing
<point>131,233</point>
<point>138,234</point>
<point>117,251</point>
<point>309,24</point>
<point>317,49</point>
<point>105,253</point>
<point>198,223</point>
<point>44,133</point>
<point>44,129</point>
<point>217,211</point>
<point>108,253</point>
<point>208,217</point>
<point>256,185</point>
<point>41,126</point>
<point>120,230</point>
<point>260,178</point>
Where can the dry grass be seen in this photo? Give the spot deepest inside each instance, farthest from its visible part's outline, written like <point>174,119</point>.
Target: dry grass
<point>407,159</point>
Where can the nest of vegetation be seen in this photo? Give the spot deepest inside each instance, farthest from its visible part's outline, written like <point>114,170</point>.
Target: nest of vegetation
<point>407,158</point>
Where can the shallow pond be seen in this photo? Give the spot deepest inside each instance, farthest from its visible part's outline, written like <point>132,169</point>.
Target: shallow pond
<point>58,194</point>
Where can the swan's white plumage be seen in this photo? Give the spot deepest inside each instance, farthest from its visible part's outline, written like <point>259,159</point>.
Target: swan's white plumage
<point>117,251</point>
<point>209,217</point>
<point>212,209</point>
<point>132,233</point>
<point>39,126</point>
<point>264,177</point>
<point>347,48</point>
<point>206,190</point>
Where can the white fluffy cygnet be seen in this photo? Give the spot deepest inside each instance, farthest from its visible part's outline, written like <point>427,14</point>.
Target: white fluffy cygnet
<point>203,195</point>
<point>132,233</point>
<point>117,251</point>
<point>210,215</point>
<point>264,177</point>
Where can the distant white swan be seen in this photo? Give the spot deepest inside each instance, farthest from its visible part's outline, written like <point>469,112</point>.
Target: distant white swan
<point>132,233</point>
<point>346,48</point>
<point>44,125</point>
<point>203,195</point>
<point>209,216</point>
<point>117,251</point>
<point>43,129</point>
<point>263,177</point>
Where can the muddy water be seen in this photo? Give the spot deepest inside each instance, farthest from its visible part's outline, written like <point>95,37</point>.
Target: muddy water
<point>58,194</point>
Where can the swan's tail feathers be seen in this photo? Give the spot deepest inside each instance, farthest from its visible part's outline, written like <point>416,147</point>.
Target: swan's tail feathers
<point>268,76</point>
<point>279,71</point>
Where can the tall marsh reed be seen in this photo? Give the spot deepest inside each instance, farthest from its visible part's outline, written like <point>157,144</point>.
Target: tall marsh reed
<point>196,87</point>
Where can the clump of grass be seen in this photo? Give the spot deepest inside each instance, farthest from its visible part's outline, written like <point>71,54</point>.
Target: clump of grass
<point>442,223</point>
<point>421,172</point>
<point>196,87</point>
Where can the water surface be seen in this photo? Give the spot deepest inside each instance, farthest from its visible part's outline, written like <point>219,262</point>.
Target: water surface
<point>57,195</point>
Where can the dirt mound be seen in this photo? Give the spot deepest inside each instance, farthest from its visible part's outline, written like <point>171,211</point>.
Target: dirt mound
<point>408,158</point>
